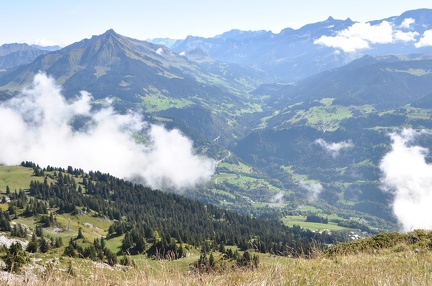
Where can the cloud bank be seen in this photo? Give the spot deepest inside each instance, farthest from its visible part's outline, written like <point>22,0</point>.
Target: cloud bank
<point>40,126</point>
<point>408,176</point>
<point>425,40</point>
<point>334,148</point>
<point>359,36</point>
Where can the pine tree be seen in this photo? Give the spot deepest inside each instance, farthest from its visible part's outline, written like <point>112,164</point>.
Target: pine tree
<point>127,243</point>
<point>15,257</point>
<point>211,260</point>
<point>44,245</point>
<point>58,242</point>
<point>80,234</point>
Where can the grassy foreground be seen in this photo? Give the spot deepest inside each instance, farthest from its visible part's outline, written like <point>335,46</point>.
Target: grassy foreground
<point>407,267</point>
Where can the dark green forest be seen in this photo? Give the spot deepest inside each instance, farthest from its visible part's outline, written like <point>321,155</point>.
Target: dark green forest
<point>153,222</point>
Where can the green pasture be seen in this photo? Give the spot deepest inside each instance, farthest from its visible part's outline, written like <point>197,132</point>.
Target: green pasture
<point>310,209</point>
<point>224,193</point>
<point>328,116</point>
<point>301,221</point>
<point>16,177</point>
<point>159,102</point>
<point>237,168</point>
<point>245,182</point>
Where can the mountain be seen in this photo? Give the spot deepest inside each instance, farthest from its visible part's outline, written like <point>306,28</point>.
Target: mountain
<point>47,48</point>
<point>329,132</point>
<point>292,55</point>
<point>384,82</point>
<point>13,55</point>
<point>138,74</point>
<point>309,145</point>
<point>286,56</point>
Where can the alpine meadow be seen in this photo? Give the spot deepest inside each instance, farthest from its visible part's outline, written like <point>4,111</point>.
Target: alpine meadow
<point>252,157</point>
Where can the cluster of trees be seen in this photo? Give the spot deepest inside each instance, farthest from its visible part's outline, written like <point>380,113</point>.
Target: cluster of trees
<point>96,251</point>
<point>42,243</point>
<point>317,218</point>
<point>21,201</point>
<point>16,256</point>
<point>208,263</point>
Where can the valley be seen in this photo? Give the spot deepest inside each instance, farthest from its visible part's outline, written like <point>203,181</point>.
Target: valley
<point>243,153</point>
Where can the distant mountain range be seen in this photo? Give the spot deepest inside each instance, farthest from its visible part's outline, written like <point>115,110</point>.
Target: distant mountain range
<point>12,55</point>
<point>295,54</point>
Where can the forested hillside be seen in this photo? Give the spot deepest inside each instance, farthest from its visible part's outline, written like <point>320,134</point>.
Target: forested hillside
<point>143,221</point>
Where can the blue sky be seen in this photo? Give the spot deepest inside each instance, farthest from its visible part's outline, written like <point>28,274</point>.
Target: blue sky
<point>64,22</point>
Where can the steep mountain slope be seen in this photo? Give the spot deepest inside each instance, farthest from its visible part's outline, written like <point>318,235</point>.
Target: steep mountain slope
<point>138,74</point>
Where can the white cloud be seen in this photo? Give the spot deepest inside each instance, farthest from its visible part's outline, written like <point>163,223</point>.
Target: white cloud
<point>159,51</point>
<point>278,198</point>
<point>359,36</point>
<point>376,34</point>
<point>334,148</point>
<point>408,176</point>
<point>405,36</point>
<point>426,40</point>
<point>313,189</point>
<point>44,42</point>
<point>407,23</point>
<point>348,45</point>
<point>39,129</point>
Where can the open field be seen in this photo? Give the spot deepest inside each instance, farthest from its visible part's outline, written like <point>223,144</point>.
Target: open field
<point>16,177</point>
<point>301,221</point>
<point>153,103</point>
<point>236,168</point>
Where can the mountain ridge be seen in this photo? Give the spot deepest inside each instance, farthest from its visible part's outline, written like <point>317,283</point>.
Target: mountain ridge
<point>12,55</point>
<point>271,55</point>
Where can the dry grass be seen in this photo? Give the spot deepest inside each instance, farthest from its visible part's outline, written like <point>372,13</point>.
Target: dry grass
<point>397,268</point>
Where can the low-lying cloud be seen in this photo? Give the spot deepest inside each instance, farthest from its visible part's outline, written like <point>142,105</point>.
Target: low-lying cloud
<point>37,126</point>
<point>360,36</point>
<point>313,190</point>
<point>408,176</point>
<point>159,51</point>
<point>334,148</point>
<point>278,198</point>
